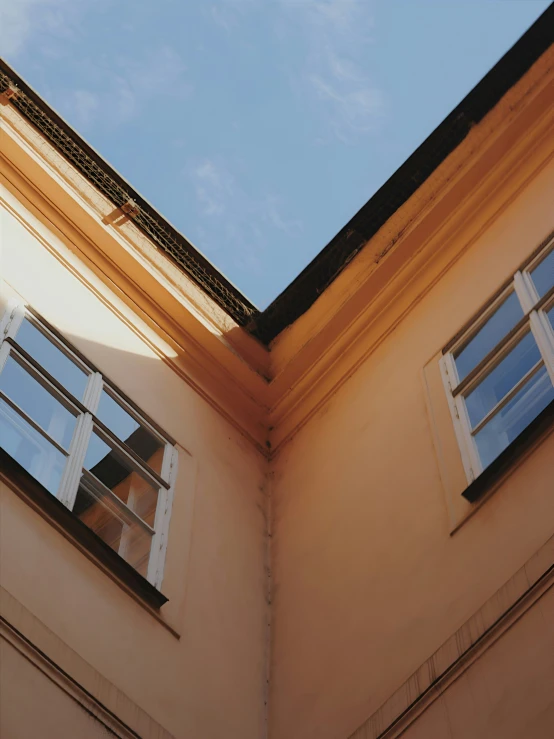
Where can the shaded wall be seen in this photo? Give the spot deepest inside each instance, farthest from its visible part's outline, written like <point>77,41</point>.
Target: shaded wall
<point>209,680</point>
<point>368,579</point>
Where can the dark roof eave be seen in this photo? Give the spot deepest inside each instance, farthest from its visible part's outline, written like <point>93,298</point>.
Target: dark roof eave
<point>304,290</point>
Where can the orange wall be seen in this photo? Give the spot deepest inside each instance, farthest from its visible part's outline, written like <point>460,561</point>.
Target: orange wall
<point>508,693</point>
<point>368,581</point>
<point>210,682</point>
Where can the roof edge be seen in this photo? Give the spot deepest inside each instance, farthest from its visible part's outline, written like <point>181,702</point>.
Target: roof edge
<point>113,186</point>
<point>304,290</point>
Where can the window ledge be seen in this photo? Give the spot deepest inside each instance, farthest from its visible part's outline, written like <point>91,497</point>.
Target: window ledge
<point>32,492</point>
<point>505,461</point>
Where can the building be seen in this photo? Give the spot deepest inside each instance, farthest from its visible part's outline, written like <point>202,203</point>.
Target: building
<point>333,519</point>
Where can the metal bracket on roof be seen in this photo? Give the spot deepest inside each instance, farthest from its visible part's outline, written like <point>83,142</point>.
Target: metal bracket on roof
<point>10,93</point>
<point>130,208</point>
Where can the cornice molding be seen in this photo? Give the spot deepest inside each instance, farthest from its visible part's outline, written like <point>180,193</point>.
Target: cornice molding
<point>270,396</point>
<point>313,358</point>
<point>213,354</point>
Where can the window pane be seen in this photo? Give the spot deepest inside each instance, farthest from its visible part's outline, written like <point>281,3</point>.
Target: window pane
<point>127,538</point>
<point>24,444</point>
<point>130,431</point>
<point>37,402</point>
<point>52,359</point>
<point>498,325</point>
<point>502,379</point>
<point>113,470</point>
<point>543,274</point>
<point>526,405</point>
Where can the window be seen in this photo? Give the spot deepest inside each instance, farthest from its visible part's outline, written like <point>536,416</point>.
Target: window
<point>499,373</point>
<point>63,422</point>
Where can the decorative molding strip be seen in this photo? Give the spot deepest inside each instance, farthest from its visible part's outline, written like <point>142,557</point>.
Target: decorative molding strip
<point>465,646</point>
<point>330,349</point>
<point>127,720</point>
<point>87,702</point>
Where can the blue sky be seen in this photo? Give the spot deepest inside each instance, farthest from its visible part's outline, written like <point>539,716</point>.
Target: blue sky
<point>257,127</point>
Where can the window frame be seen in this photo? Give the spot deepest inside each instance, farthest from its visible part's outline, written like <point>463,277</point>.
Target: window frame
<point>534,321</point>
<point>74,472</point>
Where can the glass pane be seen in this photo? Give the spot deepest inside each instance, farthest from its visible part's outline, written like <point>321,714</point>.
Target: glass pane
<point>54,361</point>
<point>526,405</point>
<point>498,325</point>
<point>113,470</point>
<point>130,431</point>
<point>502,379</point>
<point>127,538</point>
<point>37,402</point>
<point>543,274</point>
<point>24,444</point>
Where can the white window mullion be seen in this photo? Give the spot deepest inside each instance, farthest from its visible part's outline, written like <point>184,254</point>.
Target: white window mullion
<point>525,291</point>
<point>79,443</point>
<point>4,353</point>
<point>92,393</point>
<point>12,319</point>
<point>544,342</point>
<point>77,450</point>
<point>161,521</point>
<point>462,426</point>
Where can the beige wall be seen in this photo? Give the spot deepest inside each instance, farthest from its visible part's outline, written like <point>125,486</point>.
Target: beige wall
<point>210,682</point>
<point>41,708</point>
<point>508,693</point>
<point>368,580</point>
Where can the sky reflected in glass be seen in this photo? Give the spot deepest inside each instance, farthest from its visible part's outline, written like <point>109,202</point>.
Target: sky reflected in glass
<point>54,361</point>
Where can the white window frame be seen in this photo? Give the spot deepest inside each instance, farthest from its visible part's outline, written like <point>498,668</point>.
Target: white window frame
<point>85,410</point>
<point>534,320</point>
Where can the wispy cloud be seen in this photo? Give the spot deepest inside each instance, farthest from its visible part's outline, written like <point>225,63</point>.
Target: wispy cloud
<point>235,224</point>
<point>111,91</point>
<point>330,38</point>
<point>86,105</point>
<point>213,187</point>
<point>113,95</point>
<point>337,32</point>
<point>21,19</point>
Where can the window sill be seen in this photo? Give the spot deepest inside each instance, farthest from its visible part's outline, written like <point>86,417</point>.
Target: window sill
<point>505,461</point>
<point>32,492</point>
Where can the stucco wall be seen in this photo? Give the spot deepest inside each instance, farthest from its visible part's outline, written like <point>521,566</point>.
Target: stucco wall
<point>209,682</point>
<point>368,580</point>
<point>31,705</point>
<point>508,693</point>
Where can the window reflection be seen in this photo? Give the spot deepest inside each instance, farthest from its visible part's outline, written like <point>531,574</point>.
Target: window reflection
<point>498,325</point>
<point>543,275</point>
<point>37,402</point>
<point>516,415</point>
<point>130,431</point>
<point>54,361</point>
<point>502,379</point>
<point>125,536</point>
<point>30,449</point>
<point>113,470</point>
